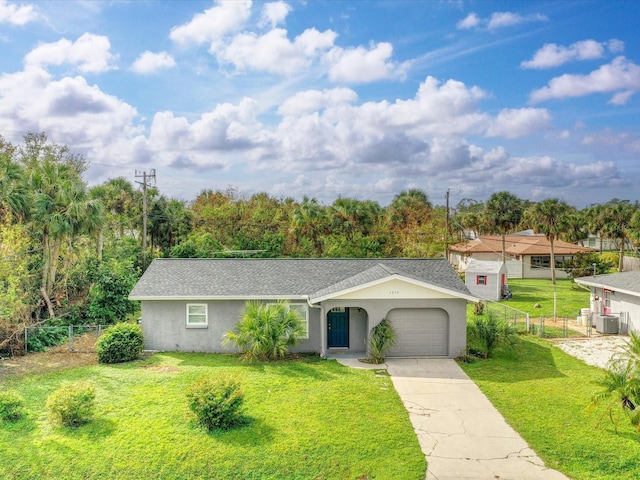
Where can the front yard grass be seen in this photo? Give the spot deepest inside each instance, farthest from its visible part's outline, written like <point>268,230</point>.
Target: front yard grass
<point>307,419</point>
<point>544,393</point>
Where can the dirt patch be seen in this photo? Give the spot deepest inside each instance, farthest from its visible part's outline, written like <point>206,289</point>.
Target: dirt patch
<point>56,358</point>
<point>162,368</point>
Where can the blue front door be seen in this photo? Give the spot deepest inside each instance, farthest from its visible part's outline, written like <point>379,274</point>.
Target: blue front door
<point>338,326</point>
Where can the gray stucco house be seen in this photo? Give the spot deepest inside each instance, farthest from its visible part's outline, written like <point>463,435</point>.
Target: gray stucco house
<point>189,304</point>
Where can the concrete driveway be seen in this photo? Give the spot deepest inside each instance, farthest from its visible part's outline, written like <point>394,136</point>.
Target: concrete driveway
<point>461,433</point>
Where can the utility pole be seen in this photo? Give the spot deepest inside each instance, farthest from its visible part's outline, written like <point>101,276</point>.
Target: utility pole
<point>145,176</point>
<point>446,234</point>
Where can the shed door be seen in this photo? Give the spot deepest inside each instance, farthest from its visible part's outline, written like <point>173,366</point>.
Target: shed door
<point>420,332</point>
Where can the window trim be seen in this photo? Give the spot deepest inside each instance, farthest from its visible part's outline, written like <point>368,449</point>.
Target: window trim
<point>189,324</point>
<point>481,280</point>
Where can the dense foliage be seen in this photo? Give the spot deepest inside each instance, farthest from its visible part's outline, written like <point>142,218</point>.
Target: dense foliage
<point>122,342</point>
<point>216,402</point>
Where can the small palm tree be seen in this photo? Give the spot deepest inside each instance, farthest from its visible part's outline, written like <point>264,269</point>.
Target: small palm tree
<point>622,389</point>
<point>266,331</point>
<point>381,340</point>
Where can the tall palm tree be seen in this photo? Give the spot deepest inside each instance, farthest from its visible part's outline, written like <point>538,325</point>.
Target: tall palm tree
<point>618,215</point>
<point>502,213</point>
<point>13,194</point>
<point>309,220</point>
<point>550,218</point>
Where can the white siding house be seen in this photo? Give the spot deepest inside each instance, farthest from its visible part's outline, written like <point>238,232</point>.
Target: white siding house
<point>486,279</point>
<point>616,294</point>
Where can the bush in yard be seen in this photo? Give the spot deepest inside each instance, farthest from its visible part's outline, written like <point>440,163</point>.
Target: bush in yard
<point>266,331</point>
<point>489,332</point>
<point>119,343</point>
<point>216,402</point>
<point>11,407</point>
<point>72,404</point>
<point>381,340</point>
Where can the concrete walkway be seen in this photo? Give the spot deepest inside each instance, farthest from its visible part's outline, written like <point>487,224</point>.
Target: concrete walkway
<point>461,433</point>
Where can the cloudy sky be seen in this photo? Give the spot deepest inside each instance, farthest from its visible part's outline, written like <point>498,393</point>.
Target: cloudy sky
<point>334,98</point>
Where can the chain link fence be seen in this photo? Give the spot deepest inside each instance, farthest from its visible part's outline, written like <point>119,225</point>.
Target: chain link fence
<point>75,338</point>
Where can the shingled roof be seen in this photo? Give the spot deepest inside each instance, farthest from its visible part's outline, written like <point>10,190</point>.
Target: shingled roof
<point>175,278</point>
<point>624,282</point>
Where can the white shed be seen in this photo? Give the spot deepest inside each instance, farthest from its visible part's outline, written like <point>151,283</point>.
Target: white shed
<point>486,279</point>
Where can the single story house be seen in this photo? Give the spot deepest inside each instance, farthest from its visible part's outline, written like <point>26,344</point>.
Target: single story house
<point>189,304</point>
<point>528,255</point>
<point>486,279</point>
<point>617,295</point>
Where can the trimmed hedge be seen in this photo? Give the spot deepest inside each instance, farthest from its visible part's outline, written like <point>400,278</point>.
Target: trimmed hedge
<point>120,343</point>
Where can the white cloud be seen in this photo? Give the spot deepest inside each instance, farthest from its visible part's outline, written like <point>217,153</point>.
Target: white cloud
<point>498,20</point>
<point>205,142</point>
<point>309,101</point>
<point>274,13</point>
<point>149,62</point>
<point>552,55</point>
<point>621,98</point>
<point>16,15</point>
<point>361,65</point>
<point>508,19</point>
<point>214,23</point>
<point>75,113</point>
<point>513,123</point>
<point>470,21</point>
<point>89,52</point>
<point>620,74</point>
<point>273,52</point>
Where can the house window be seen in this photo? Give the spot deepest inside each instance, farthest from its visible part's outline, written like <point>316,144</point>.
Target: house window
<point>544,261</point>
<point>303,311</point>
<point>481,279</point>
<point>197,316</point>
<point>607,301</point>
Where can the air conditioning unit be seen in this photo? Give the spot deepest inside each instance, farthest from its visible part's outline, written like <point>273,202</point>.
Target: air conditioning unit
<point>608,324</point>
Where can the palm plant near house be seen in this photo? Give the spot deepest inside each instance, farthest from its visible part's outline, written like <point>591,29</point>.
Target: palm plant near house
<point>621,384</point>
<point>266,331</point>
<point>381,340</point>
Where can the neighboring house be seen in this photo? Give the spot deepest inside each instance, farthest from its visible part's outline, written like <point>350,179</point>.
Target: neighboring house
<point>528,256</point>
<point>486,279</point>
<point>189,304</point>
<point>616,294</point>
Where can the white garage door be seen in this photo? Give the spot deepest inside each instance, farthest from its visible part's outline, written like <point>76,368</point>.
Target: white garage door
<point>420,332</point>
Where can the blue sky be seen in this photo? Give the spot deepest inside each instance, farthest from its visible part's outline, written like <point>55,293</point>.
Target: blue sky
<point>334,98</point>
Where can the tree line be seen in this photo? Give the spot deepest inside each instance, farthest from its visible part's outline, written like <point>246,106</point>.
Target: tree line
<point>70,253</point>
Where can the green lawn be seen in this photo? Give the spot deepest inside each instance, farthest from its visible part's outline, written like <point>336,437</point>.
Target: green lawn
<point>528,292</point>
<point>544,393</point>
<point>308,419</point>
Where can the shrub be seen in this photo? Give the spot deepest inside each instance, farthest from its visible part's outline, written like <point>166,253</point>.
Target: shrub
<point>216,402</point>
<point>381,340</point>
<point>119,343</point>
<point>72,404</point>
<point>11,406</point>
<point>489,331</point>
<point>266,331</point>
<point>41,338</point>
